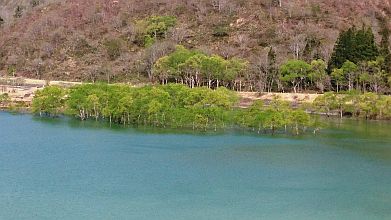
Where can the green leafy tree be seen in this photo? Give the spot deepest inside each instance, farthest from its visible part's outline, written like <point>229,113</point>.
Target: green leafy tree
<point>367,105</point>
<point>49,101</point>
<point>383,106</point>
<point>326,102</point>
<point>273,120</point>
<point>299,120</point>
<point>4,99</point>
<point>350,71</point>
<point>153,28</point>
<point>377,78</point>
<point>318,74</point>
<point>173,105</point>
<point>339,77</point>
<point>295,72</point>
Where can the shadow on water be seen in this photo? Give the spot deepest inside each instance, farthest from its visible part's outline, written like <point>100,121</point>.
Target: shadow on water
<point>114,127</point>
<point>367,138</point>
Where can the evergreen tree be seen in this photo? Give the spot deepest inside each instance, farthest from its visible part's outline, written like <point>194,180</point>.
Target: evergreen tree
<point>343,49</point>
<point>1,21</point>
<point>365,48</point>
<point>355,46</point>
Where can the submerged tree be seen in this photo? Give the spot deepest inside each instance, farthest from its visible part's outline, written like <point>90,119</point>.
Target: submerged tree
<point>49,101</point>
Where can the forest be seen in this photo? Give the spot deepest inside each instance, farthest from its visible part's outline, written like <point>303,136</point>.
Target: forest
<point>201,108</point>
<point>172,105</point>
<point>357,63</point>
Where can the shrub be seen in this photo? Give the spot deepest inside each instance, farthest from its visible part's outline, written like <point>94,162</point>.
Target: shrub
<point>113,48</point>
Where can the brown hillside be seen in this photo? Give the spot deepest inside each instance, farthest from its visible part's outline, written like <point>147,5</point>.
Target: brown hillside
<point>67,39</point>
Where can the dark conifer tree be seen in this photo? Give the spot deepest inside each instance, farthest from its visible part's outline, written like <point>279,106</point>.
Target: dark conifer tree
<point>343,49</point>
<point>365,48</point>
<point>353,45</point>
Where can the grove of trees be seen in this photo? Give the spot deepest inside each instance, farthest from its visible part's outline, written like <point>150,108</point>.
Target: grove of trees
<point>195,68</point>
<point>357,63</point>
<point>367,105</point>
<point>171,105</point>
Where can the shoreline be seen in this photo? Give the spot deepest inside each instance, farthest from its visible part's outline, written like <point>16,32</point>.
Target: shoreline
<point>21,92</point>
<point>22,89</point>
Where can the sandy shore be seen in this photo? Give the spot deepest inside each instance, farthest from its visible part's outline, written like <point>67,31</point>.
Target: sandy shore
<point>23,89</point>
<point>247,98</point>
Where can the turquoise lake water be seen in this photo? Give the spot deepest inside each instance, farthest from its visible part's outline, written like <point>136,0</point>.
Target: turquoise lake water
<point>66,169</point>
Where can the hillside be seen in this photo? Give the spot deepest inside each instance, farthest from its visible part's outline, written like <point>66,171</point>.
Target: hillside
<point>93,40</point>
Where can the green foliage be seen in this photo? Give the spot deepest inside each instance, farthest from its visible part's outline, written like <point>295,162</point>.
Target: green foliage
<point>350,71</point>
<point>11,70</point>
<point>172,105</point>
<point>354,45</point>
<point>294,72</point>
<point>367,105</point>
<point>157,26</point>
<point>318,73</point>
<point>4,99</point>
<point>195,68</point>
<point>153,28</point>
<point>326,103</point>
<point>49,101</point>
<point>274,116</point>
<point>338,76</point>
<point>299,120</point>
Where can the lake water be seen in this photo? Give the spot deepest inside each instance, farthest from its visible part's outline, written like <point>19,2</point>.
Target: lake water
<point>66,169</point>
